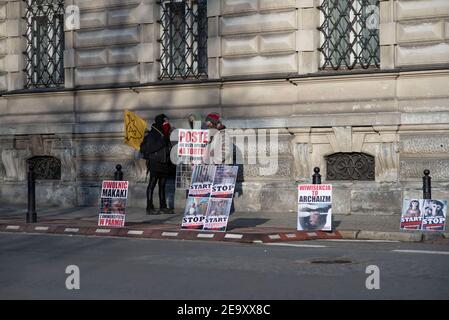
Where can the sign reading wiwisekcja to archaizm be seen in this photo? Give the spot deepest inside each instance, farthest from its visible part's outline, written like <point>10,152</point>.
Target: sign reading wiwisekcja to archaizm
<point>314,207</point>
<point>113,203</point>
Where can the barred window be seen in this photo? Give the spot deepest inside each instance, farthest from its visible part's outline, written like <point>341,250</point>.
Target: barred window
<point>349,34</point>
<point>183,39</point>
<point>350,166</point>
<point>46,167</point>
<point>44,66</point>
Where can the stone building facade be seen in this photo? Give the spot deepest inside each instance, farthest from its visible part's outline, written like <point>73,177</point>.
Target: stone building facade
<point>267,64</point>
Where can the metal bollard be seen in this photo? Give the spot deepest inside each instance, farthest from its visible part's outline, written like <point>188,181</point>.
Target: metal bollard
<point>427,185</point>
<point>118,175</point>
<point>31,213</point>
<point>316,178</point>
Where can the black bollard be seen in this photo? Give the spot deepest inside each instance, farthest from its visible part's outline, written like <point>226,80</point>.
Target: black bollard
<point>427,185</point>
<point>316,178</point>
<point>118,175</point>
<point>31,213</point>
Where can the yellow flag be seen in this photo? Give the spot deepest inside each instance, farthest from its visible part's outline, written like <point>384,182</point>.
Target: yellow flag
<point>134,129</point>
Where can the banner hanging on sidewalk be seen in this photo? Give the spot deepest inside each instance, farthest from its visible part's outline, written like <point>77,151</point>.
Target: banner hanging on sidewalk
<point>210,197</point>
<point>424,214</point>
<point>198,197</point>
<point>220,203</point>
<point>314,207</point>
<point>113,203</point>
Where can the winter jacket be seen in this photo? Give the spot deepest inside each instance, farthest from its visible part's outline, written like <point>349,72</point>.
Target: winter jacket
<point>158,147</point>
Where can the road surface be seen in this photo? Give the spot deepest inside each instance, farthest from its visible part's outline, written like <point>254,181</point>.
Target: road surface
<point>34,267</point>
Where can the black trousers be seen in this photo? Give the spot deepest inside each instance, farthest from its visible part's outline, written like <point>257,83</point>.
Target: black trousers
<point>161,182</point>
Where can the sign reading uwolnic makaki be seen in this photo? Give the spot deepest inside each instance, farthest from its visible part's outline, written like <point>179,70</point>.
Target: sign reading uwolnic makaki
<point>192,145</point>
<point>113,203</point>
<point>314,207</point>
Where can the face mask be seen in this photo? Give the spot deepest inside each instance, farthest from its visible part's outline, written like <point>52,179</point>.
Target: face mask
<point>166,128</point>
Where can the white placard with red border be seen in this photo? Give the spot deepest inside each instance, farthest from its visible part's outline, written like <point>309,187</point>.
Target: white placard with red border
<point>314,207</point>
<point>113,204</point>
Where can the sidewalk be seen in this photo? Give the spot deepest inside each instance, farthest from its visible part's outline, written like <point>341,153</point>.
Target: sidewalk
<point>242,227</point>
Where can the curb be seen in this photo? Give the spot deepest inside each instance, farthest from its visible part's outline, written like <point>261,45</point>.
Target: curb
<point>390,236</point>
<point>394,235</point>
<point>243,235</point>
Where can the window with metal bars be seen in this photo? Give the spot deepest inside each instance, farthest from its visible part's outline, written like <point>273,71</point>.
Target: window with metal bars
<point>183,39</point>
<point>349,34</point>
<point>44,67</point>
<point>350,166</point>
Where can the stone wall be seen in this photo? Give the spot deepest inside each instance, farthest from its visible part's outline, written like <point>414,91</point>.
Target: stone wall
<point>11,47</point>
<point>114,45</point>
<point>414,32</point>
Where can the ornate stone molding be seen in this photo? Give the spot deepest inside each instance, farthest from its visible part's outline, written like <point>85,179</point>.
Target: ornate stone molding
<point>424,144</point>
<point>14,162</point>
<point>412,169</point>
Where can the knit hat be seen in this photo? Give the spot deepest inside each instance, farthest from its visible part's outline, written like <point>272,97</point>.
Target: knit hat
<point>159,119</point>
<point>214,118</point>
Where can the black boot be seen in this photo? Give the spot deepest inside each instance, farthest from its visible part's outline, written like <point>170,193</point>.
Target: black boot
<point>150,209</point>
<point>164,211</point>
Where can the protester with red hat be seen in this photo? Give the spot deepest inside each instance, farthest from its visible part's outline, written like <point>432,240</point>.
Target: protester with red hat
<point>217,143</point>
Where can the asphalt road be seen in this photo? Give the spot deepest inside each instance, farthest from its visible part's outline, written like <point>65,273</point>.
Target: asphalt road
<point>34,267</point>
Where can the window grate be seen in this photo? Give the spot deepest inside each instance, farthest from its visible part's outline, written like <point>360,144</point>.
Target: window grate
<point>44,66</point>
<point>183,39</point>
<point>349,34</point>
<point>46,167</point>
<point>350,166</point>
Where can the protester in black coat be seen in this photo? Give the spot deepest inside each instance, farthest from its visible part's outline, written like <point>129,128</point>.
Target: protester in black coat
<point>157,149</point>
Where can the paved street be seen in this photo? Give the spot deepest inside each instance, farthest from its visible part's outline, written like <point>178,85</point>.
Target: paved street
<point>33,267</point>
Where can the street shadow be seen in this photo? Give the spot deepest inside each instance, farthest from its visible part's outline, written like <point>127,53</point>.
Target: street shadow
<point>238,191</point>
<point>52,212</point>
<point>157,219</point>
<point>335,223</point>
<point>247,222</point>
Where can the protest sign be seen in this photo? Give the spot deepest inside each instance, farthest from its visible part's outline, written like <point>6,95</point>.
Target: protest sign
<point>113,203</point>
<point>314,207</point>
<point>192,145</point>
<point>424,214</point>
<point>411,218</point>
<point>220,203</point>
<point>134,129</point>
<point>210,197</point>
<point>198,196</point>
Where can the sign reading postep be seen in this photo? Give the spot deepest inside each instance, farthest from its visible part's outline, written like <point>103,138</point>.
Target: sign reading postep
<point>113,203</point>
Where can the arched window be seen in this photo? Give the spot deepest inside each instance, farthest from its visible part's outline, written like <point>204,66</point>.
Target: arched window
<point>350,166</point>
<point>46,167</point>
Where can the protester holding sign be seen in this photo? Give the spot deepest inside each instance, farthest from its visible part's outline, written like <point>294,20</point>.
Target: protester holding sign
<point>218,151</point>
<point>155,148</point>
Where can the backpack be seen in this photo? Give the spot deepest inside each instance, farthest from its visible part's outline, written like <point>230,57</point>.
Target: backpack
<point>148,153</point>
<point>145,147</point>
